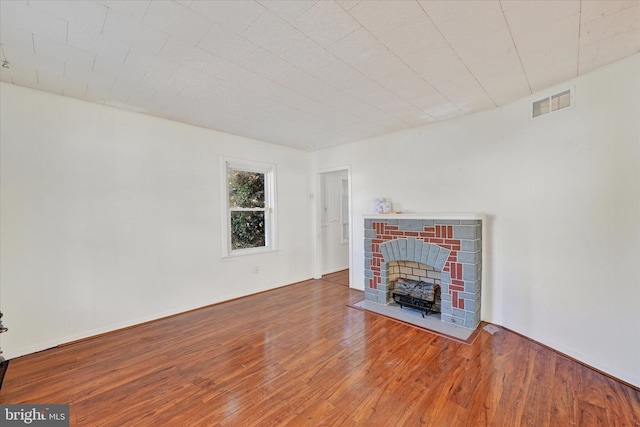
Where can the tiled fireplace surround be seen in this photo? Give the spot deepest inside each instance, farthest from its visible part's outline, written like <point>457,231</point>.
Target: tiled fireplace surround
<point>451,246</point>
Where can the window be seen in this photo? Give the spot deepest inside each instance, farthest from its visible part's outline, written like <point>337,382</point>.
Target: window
<point>250,211</point>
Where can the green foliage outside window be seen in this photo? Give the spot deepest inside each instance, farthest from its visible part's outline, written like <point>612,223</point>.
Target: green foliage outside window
<point>247,205</point>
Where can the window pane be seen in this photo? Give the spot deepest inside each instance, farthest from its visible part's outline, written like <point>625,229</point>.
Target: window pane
<point>246,189</point>
<point>247,230</point>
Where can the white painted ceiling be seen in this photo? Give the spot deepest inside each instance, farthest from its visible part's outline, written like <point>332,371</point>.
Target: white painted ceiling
<point>309,74</point>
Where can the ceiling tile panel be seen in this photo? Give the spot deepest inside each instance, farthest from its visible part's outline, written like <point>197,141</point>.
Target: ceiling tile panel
<point>14,38</point>
<point>359,109</point>
<point>382,16</point>
<point>504,87</point>
<point>413,116</point>
<point>611,25</point>
<point>443,111</point>
<point>465,20</point>
<point>222,69</point>
<point>166,80</point>
<point>606,51</point>
<point>52,66</point>
<point>87,75</point>
<point>201,92</point>
<point>235,48</point>
<point>561,52</point>
<point>337,73</point>
<point>288,97</point>
<point>130,30</point>
<point>118,70</point>
<point>326,23</point>
<point>357,46</point>
<point>269,65</point>
<point>359,87</point>
<point>526,16</point>
<point>177,20</point>
<point>545,38</point>
<point>18,14</point>
<point>106,47</point>
<point>236,16</point>
<point>273,34</point>
<point>20,75</point>
<point>289,76</point>
<point>430,98</point>
<point>381,65</point>
<point>415,34</point>
<point>459,80</point>
<point>133,9</point>
<point>497,43</point>
<point>552,73</point>
<point>440,11</point>
<point>287,9</point>
<point>89,15</point>
<point>472,99</point>
<point>308,56</point>
<point>594,10</point>
<point>437,59</point>
<point>323,110</point>
<point>507,63</point>
<point>348,4</point>
<point>412,88</point>
<point>74,88</point>
<point>59,51</point>
<point>123,89</point>
<point>385,99</point>
<point>146,61</point>
<point>187,55</point>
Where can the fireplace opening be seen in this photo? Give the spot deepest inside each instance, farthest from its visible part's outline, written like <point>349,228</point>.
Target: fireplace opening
<point>415,285</point>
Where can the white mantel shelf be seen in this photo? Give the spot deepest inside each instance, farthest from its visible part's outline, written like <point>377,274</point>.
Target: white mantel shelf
<point>425,216</point>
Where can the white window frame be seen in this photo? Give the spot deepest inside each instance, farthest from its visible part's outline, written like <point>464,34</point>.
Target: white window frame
<point>269,171</point>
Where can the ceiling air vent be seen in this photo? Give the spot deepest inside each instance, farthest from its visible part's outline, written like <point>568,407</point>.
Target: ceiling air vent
<point>552,103</point>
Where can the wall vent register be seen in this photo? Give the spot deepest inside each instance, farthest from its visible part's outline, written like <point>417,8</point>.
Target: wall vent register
<point>552,103</point>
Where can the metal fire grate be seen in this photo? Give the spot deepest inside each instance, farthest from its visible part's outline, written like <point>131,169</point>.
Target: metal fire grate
<point>416,294</point>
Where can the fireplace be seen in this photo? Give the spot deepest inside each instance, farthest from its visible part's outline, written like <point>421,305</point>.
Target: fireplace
<point>445,251</point>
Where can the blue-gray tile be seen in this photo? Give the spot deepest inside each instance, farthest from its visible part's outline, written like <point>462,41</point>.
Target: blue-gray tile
<point>466,232</point>
<point>442,259</point>
<point>411,248</point>
<point>410,224</point>
<point>434,250</point>
<point>402,246</point>
<point>470,272</point>
<point>447,222</point>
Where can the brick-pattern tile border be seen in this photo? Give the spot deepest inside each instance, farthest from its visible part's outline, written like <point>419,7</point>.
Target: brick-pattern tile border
<point>453,247</point>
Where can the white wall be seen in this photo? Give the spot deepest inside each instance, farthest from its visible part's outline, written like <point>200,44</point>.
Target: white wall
<point>110,218</point>
<point>562,193</point>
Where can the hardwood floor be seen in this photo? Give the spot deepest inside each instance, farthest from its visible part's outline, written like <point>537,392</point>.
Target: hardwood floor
<point>298,356</point>
<point>339,277</point>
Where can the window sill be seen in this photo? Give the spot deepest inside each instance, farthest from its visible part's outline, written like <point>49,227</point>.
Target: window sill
<point>248,252</point>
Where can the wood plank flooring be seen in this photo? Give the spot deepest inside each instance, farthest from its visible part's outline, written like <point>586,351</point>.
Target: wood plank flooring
<point>298,356</point>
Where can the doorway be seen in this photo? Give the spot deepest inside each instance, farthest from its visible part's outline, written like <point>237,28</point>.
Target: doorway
<point>333,221</point>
